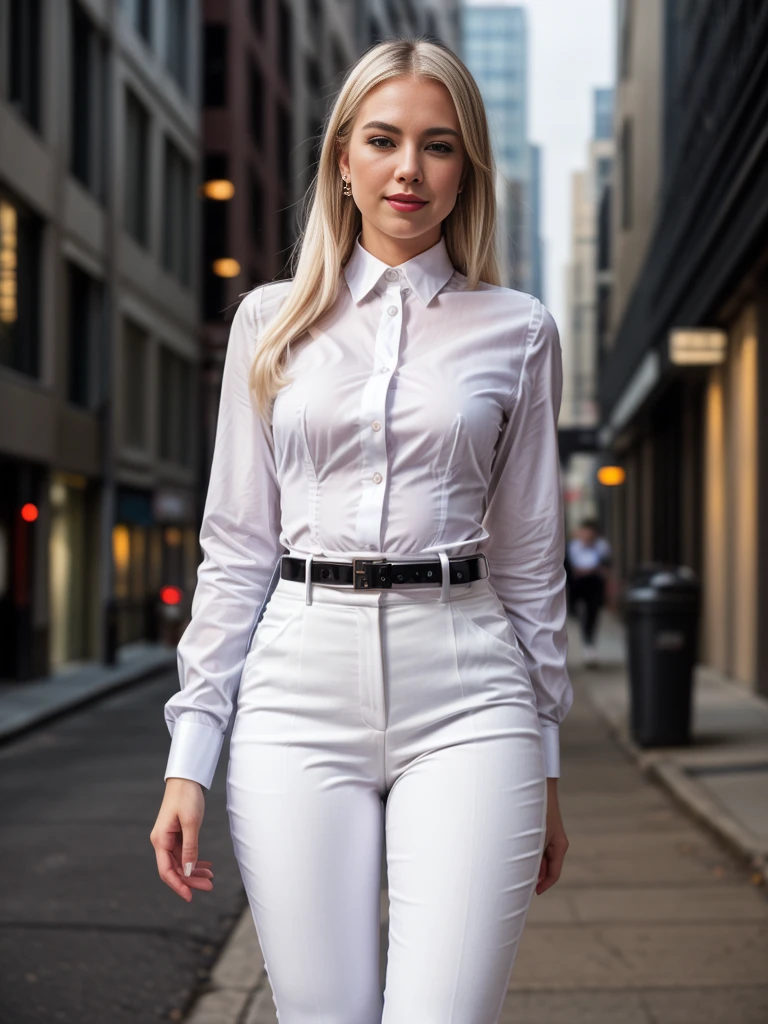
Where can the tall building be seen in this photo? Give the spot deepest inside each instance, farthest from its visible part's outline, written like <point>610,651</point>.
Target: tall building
<point>685,358</point>
<point>584,281</point>
<point>495,45</point>
<point>99,343</point>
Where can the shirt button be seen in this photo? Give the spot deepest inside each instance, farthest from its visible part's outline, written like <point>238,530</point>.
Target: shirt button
<point>384,369</point>
<point>376,425</point>
<point>391,275</point>
<point>392,310</point>
<point>377,478</point>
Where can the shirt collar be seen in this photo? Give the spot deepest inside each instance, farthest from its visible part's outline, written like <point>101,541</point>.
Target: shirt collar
<point>426,273</point>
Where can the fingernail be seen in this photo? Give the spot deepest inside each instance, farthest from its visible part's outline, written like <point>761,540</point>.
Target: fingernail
<point>188,867</point>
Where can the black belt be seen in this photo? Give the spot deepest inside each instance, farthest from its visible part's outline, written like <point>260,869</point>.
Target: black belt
<point>379,574</point>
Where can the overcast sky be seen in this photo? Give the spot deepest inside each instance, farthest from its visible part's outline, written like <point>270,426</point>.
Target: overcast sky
<point>571,46</point>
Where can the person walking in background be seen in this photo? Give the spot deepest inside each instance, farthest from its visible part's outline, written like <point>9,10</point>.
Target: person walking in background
<point>589,558</point>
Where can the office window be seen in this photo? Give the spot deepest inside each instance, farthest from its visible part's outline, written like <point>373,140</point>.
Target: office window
<point>177,26</point>
<point>257,210</point>
<point>177,213</point>
<point>215,65</point>
<point>285,40</point>
<point>175,408</point>
<point>89,103</point>
<point>284,141</point>
<point>140,15</point>
<point>625,37</point>
<point>24,40</point>
<point>84,337</point>
<point>20,298</point>
<point>256,8</point>
<point>215,237</point>
<point>136,169</point>
<point>256,103</point>
<point>626,157</point>
<point>134,380</point>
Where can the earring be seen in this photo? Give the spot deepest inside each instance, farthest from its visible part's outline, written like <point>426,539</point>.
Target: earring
<point>347,189</point>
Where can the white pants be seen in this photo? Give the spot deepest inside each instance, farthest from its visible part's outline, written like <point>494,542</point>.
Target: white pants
<point>408,710</point>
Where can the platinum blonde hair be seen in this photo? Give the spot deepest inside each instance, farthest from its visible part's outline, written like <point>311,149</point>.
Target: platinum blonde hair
<point>333,221</point>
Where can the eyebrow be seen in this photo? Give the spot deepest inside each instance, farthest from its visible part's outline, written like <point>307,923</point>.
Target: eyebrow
<point>383,126</point>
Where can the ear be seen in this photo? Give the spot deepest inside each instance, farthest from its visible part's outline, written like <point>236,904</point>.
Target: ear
<point>343,162</point>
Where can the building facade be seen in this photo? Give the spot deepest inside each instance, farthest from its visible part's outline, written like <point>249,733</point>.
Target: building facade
<point>681,412</point>
<point>99,341</point>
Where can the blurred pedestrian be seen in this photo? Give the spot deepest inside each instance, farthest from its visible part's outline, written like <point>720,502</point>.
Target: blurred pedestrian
<point>589,558</point>
<point>408,675</point>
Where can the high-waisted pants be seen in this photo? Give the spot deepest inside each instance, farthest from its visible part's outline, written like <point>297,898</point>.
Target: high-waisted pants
<point>407,710</point>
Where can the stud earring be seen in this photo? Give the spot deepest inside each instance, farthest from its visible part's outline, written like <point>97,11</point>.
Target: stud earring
<point>347,188</point>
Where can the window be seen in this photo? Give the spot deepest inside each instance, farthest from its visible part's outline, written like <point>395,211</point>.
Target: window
<point>89,103</point>
<point>134,378</point>
<point>285,40</point>
<point>24,59</point>
<point>284,141</point>
<point>175,411</point>
<point>215,65</point>
<point>136,193</point>
<point>20,300</point>
<point>215,237</point>
<point>177,213</point>
<point>625,37</point>
<point>176,40</point>
<point>84,338</point>
<point>140,14</point>
<point>257,210</point>
<point>626,175</point>
<point>256,103</point>
<point>256,8</point>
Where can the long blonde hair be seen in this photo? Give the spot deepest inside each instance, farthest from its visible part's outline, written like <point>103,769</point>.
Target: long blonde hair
<point>333,221</point>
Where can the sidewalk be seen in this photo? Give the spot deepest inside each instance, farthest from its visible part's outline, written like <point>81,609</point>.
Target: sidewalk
<point>24,705</point>
<point>722,776</point>
<point>652,922</point>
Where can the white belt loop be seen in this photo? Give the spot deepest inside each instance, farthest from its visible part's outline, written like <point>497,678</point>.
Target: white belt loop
<point>308,578</point>
<point>445,588</point>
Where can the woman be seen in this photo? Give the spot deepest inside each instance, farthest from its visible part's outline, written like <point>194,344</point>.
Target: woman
<point>398,441</point>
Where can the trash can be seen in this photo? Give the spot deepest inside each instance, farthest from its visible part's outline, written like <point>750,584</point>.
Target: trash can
<point>662,608</point>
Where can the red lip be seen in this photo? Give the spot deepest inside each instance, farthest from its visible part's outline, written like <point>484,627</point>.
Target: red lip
<point>401,197</point>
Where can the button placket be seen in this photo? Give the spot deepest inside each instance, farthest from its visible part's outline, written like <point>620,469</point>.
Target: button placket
<point>373,414</point>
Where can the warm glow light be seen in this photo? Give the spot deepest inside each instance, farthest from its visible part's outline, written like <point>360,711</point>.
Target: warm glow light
<point>29,512</point>
<point>218,188</point>
<point>611,476</point>
<point>170,595</point>
<point>8,262</point>
<point>697,346</point>
<point>121,547</point>
<point>226,267</point>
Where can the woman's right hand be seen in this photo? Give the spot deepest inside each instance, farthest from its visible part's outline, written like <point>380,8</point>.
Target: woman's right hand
<point>175,837</point>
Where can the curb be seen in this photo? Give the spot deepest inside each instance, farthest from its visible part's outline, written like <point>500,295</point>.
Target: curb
<point>690,796</point>
<point>33,703</point>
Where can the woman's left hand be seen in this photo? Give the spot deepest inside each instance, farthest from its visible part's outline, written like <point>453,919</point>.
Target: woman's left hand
<point>555,844</point>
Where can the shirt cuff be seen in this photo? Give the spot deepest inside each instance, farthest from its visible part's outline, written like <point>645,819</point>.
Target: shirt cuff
<point>550,735</point>
<point>195,751</point>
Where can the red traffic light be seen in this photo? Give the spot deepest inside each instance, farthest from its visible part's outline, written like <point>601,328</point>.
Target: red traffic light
<point>29,512</point>
<point>170,595</point>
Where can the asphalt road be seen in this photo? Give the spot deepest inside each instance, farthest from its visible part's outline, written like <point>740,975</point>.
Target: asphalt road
<point>88,931</point>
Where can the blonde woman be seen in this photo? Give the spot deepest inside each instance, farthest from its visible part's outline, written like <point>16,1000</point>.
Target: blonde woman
<point>387,446</point>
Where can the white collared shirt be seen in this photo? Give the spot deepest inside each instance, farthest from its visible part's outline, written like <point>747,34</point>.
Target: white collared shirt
<point>422,417</point>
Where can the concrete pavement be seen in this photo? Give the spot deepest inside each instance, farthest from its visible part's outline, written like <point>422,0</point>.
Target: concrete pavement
<point>654,921</point>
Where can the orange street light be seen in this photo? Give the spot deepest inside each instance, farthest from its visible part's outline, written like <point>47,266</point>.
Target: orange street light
<point>611,476</point>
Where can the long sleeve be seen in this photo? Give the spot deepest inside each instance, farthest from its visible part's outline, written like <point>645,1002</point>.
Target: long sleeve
<point>239,539</point>
<point>525,520</point>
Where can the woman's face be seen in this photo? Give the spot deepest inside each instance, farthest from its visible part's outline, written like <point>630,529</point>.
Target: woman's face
<point>405,139</point>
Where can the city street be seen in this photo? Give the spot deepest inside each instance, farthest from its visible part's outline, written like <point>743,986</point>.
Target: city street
<point>88,932</point>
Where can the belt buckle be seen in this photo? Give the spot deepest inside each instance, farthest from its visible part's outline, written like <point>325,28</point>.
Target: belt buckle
<point>362,574</point>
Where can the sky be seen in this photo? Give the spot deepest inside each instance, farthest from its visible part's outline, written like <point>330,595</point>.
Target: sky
<point>571,51</point>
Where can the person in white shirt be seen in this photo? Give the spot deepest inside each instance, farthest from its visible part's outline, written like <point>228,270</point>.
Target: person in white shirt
<point>380,612</point>
<point>588,560</point>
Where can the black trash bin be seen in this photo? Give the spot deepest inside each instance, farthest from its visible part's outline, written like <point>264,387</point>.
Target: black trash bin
<point>662,608</point>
